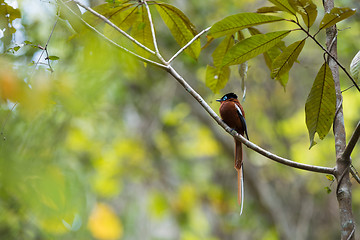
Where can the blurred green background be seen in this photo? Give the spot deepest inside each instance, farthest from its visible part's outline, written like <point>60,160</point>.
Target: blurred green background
<point>105,147</point>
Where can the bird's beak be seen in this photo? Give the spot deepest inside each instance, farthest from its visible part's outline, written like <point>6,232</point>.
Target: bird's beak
<point>218,100</point>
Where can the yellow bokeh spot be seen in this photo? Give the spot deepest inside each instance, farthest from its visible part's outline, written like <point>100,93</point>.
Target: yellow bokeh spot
<point>176,115</point>
<point>130,150</point>
<point>104,224</point>
<point>158,205</point>
<point>186,199</point>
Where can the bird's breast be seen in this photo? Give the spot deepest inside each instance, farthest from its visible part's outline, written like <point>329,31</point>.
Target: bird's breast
<point>229,115</point>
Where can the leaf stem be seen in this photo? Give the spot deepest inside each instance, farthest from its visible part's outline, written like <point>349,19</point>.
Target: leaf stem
<point>328,53</point>
<point>157,52</point>
<point>352,142</point>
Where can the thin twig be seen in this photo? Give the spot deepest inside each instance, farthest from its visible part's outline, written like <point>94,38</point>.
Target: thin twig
<point>351,234</point>
<point>188,44</point>
<point>339,180</point>
<point>339,106</point>
<point>347,88</point>
<point>329,54</point>
<point>332,43</point>
<point>352,142</point>
<point>117,45</point>
<point>157,52</point>
<point>44,50</point>
<point>354,173</point>
<point>113,25</point>
<point>47,43</point>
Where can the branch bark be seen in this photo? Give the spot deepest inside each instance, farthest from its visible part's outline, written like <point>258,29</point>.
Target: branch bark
<point>343,191</point>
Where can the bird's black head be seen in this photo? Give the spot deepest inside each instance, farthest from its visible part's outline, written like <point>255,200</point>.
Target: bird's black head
<point>227,97</point>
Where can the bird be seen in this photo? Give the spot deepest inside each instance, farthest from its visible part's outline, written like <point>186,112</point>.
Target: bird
<point>232,113</point>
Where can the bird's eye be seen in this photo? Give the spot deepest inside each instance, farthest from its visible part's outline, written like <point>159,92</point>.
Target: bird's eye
<point>224,98</point>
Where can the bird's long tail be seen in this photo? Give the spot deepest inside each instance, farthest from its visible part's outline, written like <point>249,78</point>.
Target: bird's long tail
<point>240,172</point>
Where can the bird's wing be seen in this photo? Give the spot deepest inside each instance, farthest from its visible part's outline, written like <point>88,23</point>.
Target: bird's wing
<point>242,119</point>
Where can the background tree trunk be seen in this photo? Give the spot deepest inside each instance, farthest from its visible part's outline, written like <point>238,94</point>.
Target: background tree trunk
<point>343,191</point>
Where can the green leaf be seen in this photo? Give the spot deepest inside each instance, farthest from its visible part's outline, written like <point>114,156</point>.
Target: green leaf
<point>307,10</point>
<point>222,49</point>
<point>330,177</point>
<point>355,67</point>
<point>283,63</point>
<point>234,23</point>
<point>53,58</point>
<point>180,27</point>
<point>128,17</point>
<point>271,9</point>
<point>254,31</point>
<point>328,190</point>
<point>121,15</point>
<point>7,15</point>
<point>67,11</point>
<point>12,30</point>
<point>9,12</point>
<point>336,15</point>
<point>27,42</point>
<point>17,48</point>
<point>271,54</point>
<point>252,46</point>
<point>284,5</point>
<point>321,104</point>
<point>281,45</point>
<point>216,78</point>
<point>141,31</point>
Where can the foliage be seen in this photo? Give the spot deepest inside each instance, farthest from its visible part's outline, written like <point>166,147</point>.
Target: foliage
<point>355,67</point>
<point>107,148</point>
<point>281,63</point>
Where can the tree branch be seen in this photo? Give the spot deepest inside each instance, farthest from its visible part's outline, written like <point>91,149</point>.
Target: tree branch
<point>115,44</point>
<point>352,142</point>
<point>188,44</point>
<point>113,25</point>
<point>279,159</point>
<point>249,144</point>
